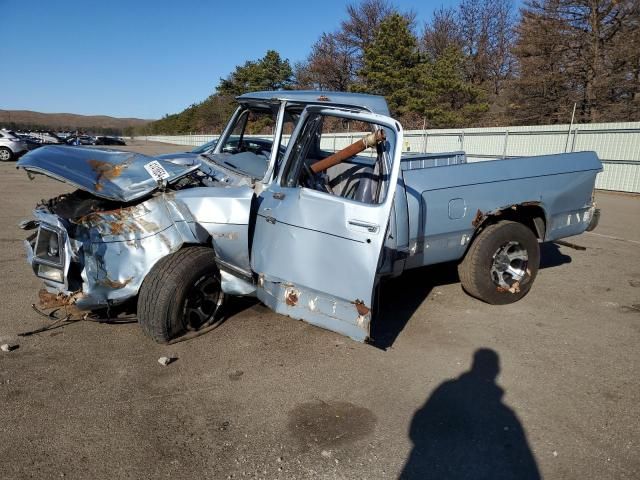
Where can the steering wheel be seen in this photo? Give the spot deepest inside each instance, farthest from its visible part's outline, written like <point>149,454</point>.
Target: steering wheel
<point>308,176</point>
<point>312,180</point>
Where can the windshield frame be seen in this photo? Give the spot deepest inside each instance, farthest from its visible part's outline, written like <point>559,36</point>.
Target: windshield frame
<point>276,140</point>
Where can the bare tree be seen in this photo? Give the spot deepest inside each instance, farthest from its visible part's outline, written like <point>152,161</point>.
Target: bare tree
<point>487,36</point>
<point>331,64</point>
<point>363,22</point>
<point>587,50</point>
<point>441,32</point>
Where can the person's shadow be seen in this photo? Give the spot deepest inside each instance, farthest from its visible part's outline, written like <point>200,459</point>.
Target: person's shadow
<point>464,431</point>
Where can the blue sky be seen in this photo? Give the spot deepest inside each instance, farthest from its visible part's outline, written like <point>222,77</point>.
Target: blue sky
<point>147,58</point>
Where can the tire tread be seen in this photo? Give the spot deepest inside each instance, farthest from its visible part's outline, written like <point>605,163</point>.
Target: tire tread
<point>158,291</point>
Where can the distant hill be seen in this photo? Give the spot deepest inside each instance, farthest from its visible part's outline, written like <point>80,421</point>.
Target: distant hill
<point>66,121</point>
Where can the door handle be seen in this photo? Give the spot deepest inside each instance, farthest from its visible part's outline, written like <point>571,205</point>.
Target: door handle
<point>370,227</point>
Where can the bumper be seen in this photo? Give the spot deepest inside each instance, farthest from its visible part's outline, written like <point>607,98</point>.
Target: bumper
<point>595,218</point>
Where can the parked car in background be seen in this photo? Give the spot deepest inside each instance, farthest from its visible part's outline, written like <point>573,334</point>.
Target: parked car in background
<point>106,140</point>
<point>80,140</point>
<point>11,146</point>
<point>46,137</point>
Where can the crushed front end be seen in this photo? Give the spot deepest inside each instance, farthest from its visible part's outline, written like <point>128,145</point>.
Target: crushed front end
<point>94,247</point>
<point>94,254</point>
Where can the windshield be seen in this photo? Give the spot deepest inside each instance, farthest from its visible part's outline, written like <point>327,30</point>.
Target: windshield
<point>205,147</point>
<point>248,147</point>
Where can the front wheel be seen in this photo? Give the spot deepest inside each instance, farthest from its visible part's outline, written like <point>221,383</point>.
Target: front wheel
<point>181,293</point>
<point>501,264</point>
<point>5,154</point>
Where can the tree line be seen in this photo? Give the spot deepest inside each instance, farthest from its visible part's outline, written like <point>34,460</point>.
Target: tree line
<point>478,64</point>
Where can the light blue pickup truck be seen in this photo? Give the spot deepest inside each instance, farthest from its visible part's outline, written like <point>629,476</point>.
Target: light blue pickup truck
<point>289,211</point>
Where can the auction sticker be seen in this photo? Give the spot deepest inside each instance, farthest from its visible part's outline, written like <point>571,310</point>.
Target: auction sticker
<point>156,170</point>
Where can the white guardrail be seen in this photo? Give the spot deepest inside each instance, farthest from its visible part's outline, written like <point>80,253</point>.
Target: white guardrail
<point>617,145</point>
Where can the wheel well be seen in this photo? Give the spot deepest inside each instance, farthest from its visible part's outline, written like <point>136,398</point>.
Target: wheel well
<point>529,214</point>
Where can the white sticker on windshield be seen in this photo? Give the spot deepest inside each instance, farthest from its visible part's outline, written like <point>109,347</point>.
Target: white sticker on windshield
<point>156,170</point>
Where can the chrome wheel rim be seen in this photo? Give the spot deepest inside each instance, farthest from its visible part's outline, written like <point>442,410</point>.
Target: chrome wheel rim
<point>202,302</point>
<point>4,155</point>
<point>509,266</point>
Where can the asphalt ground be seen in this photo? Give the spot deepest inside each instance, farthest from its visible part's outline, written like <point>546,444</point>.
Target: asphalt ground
<point>265,396</point>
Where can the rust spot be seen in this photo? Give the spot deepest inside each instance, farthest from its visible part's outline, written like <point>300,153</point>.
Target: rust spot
<point>515,288</point>
<point>361,307</point>
<point>107,171</point>
<point>478,219</point>
<point>48,300</point>
<point>292,298</point>
<point>114,284</point>
<point>118,222</point>
<point>116,228</point>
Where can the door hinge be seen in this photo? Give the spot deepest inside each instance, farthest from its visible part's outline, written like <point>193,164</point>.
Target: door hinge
<point>271,220</point>
<point>279,195</point>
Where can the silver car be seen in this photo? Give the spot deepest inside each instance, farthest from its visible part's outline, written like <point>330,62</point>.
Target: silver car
<point>11,146</point>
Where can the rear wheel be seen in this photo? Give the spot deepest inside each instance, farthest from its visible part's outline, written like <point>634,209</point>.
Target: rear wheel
<point>501,264</point>
<point>5,154</point>
<point>180,294</point>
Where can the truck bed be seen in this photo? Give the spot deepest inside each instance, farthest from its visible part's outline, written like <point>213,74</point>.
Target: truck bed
<point>444,194</point>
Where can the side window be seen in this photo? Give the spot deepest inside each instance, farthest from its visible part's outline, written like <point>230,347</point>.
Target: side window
<point>340,157</point>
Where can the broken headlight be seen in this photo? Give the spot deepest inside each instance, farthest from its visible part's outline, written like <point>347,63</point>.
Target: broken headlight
<point>48,259</point>
<point>50,273</point>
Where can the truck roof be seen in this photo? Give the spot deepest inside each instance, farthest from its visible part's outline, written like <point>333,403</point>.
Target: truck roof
<point>372,103</point>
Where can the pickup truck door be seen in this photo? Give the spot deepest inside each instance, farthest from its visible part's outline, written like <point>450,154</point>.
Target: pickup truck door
<point>316,254</point>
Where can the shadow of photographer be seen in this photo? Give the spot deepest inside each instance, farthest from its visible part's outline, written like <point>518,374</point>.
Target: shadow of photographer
<point>465,431</point>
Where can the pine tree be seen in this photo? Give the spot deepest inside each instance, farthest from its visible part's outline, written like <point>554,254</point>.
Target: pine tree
<point>268,73</point>
<point>445,98</point>
<point>391,63</point>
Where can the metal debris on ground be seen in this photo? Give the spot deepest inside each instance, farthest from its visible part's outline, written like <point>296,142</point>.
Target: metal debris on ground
<point>7,347</point>
<point>569,244</point>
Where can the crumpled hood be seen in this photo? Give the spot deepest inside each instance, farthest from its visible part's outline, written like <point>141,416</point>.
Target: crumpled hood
<point>110,174</point>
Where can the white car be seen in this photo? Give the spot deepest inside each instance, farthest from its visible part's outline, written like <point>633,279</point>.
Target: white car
<point>11,146</point>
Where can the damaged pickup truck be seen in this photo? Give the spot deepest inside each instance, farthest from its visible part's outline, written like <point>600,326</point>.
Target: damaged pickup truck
<point>307,226</point>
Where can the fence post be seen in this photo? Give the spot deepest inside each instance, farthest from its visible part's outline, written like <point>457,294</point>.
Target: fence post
<point>462,141</point>
<point>506,141</point>
<point>424,144</point>
<point>573,143</point>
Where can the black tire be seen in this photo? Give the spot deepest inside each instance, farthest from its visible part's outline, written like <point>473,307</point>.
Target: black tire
<point>5,154</point>
<point>485,271</point>
<point>181,293</point>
